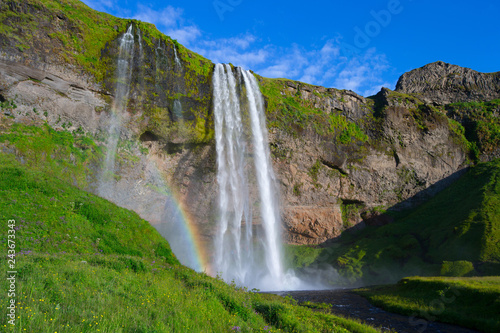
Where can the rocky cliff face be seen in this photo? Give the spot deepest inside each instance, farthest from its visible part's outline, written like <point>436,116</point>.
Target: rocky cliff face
<point>329,187</point>
<point>341,159</point>
<point>441,83</point>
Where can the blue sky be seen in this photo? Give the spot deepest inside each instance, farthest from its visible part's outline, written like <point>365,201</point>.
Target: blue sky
<point>358,45</point>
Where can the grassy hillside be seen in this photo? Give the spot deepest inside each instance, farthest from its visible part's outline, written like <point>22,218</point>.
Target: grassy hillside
<point>481,124</point>
<point>85,265</point>
<point>456,233</point>
<point>470,302</point>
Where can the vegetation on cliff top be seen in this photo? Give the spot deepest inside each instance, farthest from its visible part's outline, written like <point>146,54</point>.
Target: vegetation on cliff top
<point>294,114</point>
<point>481,122</point>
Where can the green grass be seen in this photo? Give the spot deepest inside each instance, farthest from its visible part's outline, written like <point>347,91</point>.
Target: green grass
<point>298,256</point>
<point>54,217</point>
<point>86,265</point>
<point>481,122</point>
<point>470,302</point>
<point>294,114</point>
<point>455,232</point>
<point>62,154</point>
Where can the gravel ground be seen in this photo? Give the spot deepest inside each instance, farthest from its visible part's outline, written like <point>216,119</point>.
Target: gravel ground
<point>348,304</point>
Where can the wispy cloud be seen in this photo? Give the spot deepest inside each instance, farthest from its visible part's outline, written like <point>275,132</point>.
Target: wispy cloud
<point>363,72</point>
<point>185,35</point>
<point>325,64</point>
<point>169,20</point>
<point>237,50</point>
<point>100,5</point>
<point>166,17</point>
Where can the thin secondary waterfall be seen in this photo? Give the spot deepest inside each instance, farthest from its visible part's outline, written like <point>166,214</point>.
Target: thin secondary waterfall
<point>243,255</point>
<point>177,109</point>
<point>123,78</point>
<point>141,50</point>
<point>177,61</point>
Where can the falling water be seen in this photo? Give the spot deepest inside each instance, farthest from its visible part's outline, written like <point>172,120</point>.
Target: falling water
<point>141,51</point>
<point>177,103</point>
<point>123,77</point>
<point>177,110</point>
<point>265,178</point>
<point>177,61</point>
<point>242,255</point>
<point>232,180</point>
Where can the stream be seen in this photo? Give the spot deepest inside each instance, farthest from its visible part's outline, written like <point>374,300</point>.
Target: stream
<point>348,304</point>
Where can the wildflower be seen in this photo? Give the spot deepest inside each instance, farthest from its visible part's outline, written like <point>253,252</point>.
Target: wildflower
<point>236,328</point>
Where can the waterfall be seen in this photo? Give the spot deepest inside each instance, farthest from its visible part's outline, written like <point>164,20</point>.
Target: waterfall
<point>242,254</point>
<point>141,51</point>
<point>177,110</point>
<point>177,61</point>
<point>177,103</point>
<point>123,78</point>
<point>265,178</point>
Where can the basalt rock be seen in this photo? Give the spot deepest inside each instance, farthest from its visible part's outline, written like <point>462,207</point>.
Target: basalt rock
<point>441,83</point>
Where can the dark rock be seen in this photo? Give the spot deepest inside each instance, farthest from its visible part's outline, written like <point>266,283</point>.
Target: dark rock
<point>373,218</point>
<point>441,83</point>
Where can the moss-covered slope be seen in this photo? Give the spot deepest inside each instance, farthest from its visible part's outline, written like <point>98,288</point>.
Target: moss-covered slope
<point>455,233</point>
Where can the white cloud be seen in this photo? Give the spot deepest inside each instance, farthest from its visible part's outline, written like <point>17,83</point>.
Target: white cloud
<point>184,35</point>
<point>100,5</point>
<point>170,21</point>
<point>236,50</point>
<point>167,17</point>
<point>325,64</point>
<point>375,89</point>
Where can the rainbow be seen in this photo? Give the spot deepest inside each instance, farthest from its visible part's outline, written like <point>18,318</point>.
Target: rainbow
<point>192,252</point>
<point>175,223</point>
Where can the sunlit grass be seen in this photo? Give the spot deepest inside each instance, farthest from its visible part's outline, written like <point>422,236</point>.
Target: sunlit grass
<point>472,302</point>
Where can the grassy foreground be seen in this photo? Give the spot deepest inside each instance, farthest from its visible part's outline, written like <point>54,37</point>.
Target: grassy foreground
<point>470,302</point>
<point>85,265</point>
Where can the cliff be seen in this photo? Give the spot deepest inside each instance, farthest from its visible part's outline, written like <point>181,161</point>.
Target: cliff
<point>341,159</point>
<point>441,83</point>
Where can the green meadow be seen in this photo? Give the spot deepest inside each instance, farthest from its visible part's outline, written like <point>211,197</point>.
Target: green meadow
<point>470,302</point>
<point>86,265</point>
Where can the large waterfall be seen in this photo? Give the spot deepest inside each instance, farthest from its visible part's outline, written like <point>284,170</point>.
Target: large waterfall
<point>247,253</point>
<point>123,77</point>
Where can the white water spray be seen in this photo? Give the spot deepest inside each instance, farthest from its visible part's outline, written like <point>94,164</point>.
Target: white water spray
<point>246,257</point>
<point>177,110</point>
<point>123,78</point>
